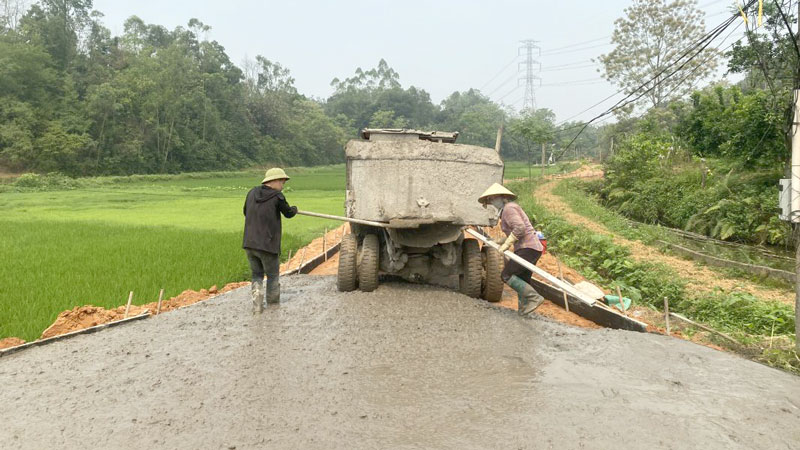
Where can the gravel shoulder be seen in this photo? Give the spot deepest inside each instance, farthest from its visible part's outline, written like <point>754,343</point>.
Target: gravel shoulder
<point>403,367</point>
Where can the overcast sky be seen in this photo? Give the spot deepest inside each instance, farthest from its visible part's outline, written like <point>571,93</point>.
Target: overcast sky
<point>440,46</point>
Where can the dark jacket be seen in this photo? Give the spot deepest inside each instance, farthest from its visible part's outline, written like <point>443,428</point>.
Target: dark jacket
<point>262,219</point>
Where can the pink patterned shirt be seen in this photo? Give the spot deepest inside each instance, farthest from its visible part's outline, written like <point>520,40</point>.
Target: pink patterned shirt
<point>514,220</point>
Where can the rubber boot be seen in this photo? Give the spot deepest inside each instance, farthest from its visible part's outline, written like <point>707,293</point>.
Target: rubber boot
<point>527,297</point>
<point>274,293</point>
<point>257,295</point>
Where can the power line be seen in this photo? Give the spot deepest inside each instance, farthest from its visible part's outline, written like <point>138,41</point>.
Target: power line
<point>619,92</point>
<point>500,72</point>
<point>575,63</point>
<point>578,43</point>
<point>508,93</point>
<point>503,84</point>
<point>564,83</point>
<point>585,83</point>
<point>585,66</point>
<point>552,52</point>
<point>692,52</point>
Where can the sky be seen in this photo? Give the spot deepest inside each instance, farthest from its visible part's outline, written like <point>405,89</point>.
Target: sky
<point>439,46</point>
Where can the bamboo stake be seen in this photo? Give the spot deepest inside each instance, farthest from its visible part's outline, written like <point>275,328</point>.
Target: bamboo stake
<point>160,297</point>
<point>772,334</point>
<point>324,244</point>
<point>128,307</point>
<point>302,259</point>
<point>666,314</point>
<point>289,261</point>
<point>703,327</point>
<point>621,302</point>
<point>561,276</point>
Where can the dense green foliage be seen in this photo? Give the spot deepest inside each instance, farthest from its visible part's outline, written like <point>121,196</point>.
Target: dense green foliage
<point>652,182</point>
<point>600,259</point>
<point>77,100</point>
<point>742,126</point>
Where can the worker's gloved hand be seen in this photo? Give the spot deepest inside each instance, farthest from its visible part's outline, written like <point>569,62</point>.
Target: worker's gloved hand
<point>294,209</point>
<point>510,240</point>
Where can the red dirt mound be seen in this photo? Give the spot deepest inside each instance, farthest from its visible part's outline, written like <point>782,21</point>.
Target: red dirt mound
<point>82,317</point>
<point>10,342</point>
<point>315,248</point>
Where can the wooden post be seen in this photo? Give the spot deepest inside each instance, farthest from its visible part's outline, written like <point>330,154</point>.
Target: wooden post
<point>128,306</point>
<point>561,276</point>
<point>499,139</point>
<point>666,315</point>
<point>302,260</point>
<point>324,244</point>
<point>160,298</point>
<point>621,302</point>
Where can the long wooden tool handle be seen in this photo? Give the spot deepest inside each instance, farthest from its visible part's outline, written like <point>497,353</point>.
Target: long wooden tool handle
<point>344,219</point>
<point>555,281</point>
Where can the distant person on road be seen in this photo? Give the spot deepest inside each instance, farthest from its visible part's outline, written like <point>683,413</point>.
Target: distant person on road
<point>524,238</point>
<point>262,236</point>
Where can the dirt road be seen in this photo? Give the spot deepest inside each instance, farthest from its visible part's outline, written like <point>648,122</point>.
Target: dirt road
<point>698,277</point>
<point>403,367</point>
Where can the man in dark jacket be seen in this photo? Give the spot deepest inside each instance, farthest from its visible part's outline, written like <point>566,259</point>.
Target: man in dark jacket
<point>262,235</point>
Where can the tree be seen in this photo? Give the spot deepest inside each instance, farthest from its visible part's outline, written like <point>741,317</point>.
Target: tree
<point>473,115</point>
<point>538,126</point>
<point>11,11</point>
<point>535,127</point>
<point>378,90</point>
<point>651,37</point>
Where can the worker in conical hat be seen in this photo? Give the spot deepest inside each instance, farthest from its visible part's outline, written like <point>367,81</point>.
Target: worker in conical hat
<point>262,235</point>
<point>520,235</point>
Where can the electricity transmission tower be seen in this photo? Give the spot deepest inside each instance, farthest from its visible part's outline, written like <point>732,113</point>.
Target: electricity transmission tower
<point>532,67</point>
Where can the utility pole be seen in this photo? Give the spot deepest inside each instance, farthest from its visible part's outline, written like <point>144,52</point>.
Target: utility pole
<point>795,128</point>
<point>611,153</point>
<point>795,210</point>
<point>532,67</point>
<point>544,154</point>
<point>499,139</point>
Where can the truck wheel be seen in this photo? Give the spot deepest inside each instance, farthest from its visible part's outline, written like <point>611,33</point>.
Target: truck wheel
<point>368,269</point>
<point>470,280</point>
<point>348,252</point>
<point>493,268</point>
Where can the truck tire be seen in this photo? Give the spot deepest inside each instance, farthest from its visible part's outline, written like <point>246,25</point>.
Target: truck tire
<point>493,268</point>
<point>368,269</point>
<point>346,278</point>
<point>470,280</point>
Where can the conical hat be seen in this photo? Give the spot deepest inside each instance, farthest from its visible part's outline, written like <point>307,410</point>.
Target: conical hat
<point>275,174</point>
<point>496,189</point>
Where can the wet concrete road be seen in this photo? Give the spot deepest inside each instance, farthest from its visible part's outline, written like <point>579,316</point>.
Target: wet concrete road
<point>403,367</point>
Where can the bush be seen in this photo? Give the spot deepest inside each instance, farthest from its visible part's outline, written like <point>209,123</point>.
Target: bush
<point>50,181</point>
<point>650,181</point>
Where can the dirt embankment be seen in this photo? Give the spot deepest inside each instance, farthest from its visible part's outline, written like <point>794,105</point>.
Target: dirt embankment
<point>315,248</point>
<point>82,317</point>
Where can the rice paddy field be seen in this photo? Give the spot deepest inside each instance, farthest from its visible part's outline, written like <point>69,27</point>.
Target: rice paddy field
<point>92,245</point>
<point>91,241</point>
